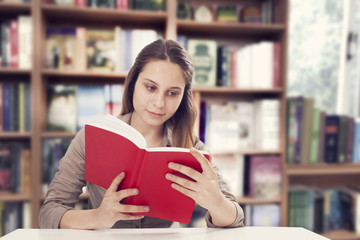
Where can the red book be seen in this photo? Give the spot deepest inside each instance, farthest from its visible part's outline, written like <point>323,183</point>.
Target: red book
<point>277,65</point>
<point>14,44</point>
<point>80,3</point>
<point>122,4</point>
<point>112,146</point>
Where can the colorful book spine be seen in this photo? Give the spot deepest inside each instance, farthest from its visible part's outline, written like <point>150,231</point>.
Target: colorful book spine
<point>331,138</point>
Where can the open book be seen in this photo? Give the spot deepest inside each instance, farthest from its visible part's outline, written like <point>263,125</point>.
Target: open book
<point>113,146</point>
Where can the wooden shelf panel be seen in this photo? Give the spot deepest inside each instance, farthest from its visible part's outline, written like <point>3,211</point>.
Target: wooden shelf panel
<point>58,134</point>
<point>248,152</point>
<point>15,135</point>
<point>95,16</point>
<point>13,197</point>
<point>88,74</point>
<point>323,169</point>
<point>249,200</point>
<point>228,90</point>
<point>342,235</point>
<point>14,71</point>
<point>229,30</point>
<point>15,8</point>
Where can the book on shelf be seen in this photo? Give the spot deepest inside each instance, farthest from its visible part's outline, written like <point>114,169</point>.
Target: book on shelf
<point>53,149</point>
<point>148,5</point>
<point>265,215</point>
<point>90,103</point>
<point>265,177</point>
<point>108,138</point>
<point>203,12</point>
<point>183,10</point>
<point>61,112</point>
<point>227,13</point>
<point>204,57</point>
<point>231,167</point>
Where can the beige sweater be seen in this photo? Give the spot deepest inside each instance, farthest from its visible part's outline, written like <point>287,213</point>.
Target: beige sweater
<point>66,187</point>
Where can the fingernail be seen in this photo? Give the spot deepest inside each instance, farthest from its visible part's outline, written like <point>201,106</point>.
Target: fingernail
<point>171,165</point>
<point>135,191</point>
<point>168,176</point>
<point>146,209</point>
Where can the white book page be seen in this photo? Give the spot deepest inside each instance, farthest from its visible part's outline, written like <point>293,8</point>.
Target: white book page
<point>115,125</point>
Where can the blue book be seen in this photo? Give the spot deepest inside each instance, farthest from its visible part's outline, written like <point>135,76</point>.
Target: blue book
<point>331,138</point>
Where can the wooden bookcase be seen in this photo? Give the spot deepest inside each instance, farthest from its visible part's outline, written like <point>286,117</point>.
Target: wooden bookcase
<point>44,15</point>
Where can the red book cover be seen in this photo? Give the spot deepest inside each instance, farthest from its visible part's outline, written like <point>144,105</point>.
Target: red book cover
<point>112,146</point>
<point>122,4</point>
<point>80,3</point>
<point>277,68</point>
<point>14,44</point>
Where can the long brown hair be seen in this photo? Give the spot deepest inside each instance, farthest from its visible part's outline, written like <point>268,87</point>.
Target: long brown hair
<point>183,120</point>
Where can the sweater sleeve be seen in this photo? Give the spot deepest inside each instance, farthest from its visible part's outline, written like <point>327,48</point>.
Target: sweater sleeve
<point>239,220</point>
<point>66,187</point>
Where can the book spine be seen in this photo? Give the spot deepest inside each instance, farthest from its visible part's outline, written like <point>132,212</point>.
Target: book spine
<point>350,140</point>
<point>1,107</point>
<point>14,44</point>
<point>299,117</point>
<point>321,137</point>
<point>331,138</point>
<point>342,141</point>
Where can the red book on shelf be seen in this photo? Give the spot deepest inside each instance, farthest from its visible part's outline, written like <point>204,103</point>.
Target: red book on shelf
<point>112,146</point>
<point>14,44</point>
<point>122,4</point>
<point>80,3</point>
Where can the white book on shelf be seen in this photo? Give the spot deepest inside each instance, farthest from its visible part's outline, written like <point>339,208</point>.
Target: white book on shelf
<point>267,124</point>
<point>139,39</point>
<point>243,67</point>
<point>245,113</point>
<point>262,65</point>
<point>232,170</point>
<point>25,41</point>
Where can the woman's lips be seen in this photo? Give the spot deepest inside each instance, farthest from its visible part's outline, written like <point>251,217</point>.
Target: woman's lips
<point>155,115</point>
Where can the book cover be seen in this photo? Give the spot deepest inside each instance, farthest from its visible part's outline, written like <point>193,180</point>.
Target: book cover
<point>356,144</point>
<point>265,177</point>
<point>307,126</point>
<point>100,50</point>
<point>350,140</point>
<point>342,141</point>
<point>123,149</point>
<point>204,57</point>
<point>61,108</point>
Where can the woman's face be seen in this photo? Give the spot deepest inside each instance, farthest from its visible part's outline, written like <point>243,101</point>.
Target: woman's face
<point>158,92</point>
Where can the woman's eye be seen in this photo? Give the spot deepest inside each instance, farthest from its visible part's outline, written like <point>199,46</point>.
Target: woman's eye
<point>150,88</point>
<point>173,94</point>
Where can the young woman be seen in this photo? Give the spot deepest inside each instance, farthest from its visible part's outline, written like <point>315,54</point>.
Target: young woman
<point>157,102</point>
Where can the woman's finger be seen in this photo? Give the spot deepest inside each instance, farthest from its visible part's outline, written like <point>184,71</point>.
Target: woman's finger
<point>115,183</point>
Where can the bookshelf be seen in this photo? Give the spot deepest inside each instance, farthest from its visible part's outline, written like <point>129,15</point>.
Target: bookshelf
<point>44,15</point>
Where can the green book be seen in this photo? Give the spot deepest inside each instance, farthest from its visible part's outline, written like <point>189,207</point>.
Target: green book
<point>315,137</point>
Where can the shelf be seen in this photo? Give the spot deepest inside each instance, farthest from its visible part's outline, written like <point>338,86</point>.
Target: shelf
<point>342,235</point>
<point>14,135</point>
<point>232,30</point>
<point>248,152</point>
<point>228,90</point>
<point>60,14</point>
<point>249,200</point>
<point>15,7</point>
<point>14,71</point>
<point>58,134</point>
<point>12,197</point>
<point>323,169</point>
<point>87,75</point>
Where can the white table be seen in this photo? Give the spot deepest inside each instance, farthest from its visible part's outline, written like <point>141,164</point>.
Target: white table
<point>245,233</point>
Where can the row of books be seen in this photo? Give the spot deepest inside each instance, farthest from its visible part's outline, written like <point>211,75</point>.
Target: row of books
<point>14,215</point>
<point>258,177</point>
<point>254,65</point>
<point>241,125</point>
<point>16,1</point>
<point>313,136</point>
<point>15,162</point>
<point>15,106</point>
<point>16,42</point>
<point>149,5</point>
<point>71,106</point>
<point>323,210</point>
<point>94,49</point>
<point>225,12</point>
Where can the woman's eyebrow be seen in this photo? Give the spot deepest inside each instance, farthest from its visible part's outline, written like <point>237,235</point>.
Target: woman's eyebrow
<point>174,87</point>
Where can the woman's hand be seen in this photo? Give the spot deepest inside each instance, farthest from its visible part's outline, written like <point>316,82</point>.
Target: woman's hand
<point>111,210</point>
<point>205,191</point>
